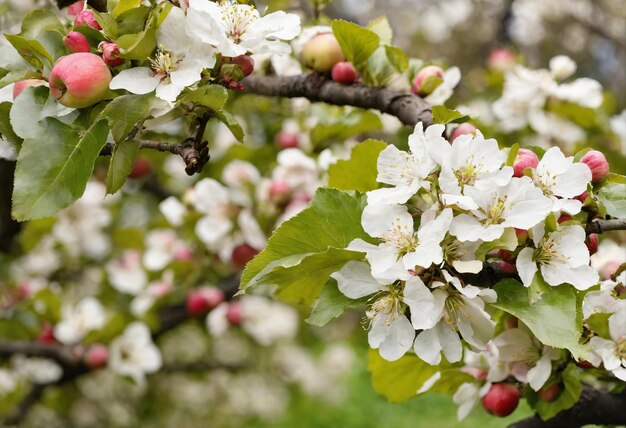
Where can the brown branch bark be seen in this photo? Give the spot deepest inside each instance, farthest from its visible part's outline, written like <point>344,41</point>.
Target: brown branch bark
<point>594,407</point>
<point>99,5</point>
<point>601,226</point>
<point>407,107</point>
<point>9,228</point>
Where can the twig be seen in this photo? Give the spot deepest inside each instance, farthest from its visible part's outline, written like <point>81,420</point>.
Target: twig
<point>601,226</point>
<point>593,407</point>
<point>30,399</point>
<point>407,107</point>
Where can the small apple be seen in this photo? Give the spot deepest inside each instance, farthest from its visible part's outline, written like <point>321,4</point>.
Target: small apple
<point>80,80</point>
<point>18,87</point>
<point>422,75</point>
<point>110,54</point>
<point>287,139</point>
<point>242,254</point>
<point>234,314</point>
<point>501,400</point>
<point>141,169</point>
<point>322,52</point>
<point>86,17</point>
<point>550,393</point>
<point>76,42</point>
<point>344,72</point>
<point>97,356</point>
<point>201,300</point>
<point>462,129</point>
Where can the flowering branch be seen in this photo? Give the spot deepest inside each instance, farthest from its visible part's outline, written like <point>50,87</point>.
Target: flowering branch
<point>407,107</point>
<point>594,407</point>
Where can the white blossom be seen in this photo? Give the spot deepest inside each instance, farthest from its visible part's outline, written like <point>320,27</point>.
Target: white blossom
<point>78,320</point>
<point>613,351</point>
<point>134,354</point>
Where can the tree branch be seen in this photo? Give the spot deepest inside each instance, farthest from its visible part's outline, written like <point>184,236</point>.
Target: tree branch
<point>99,5</point>
<point>601,226</point>
<point>60,354</point>
<point>593,407</point>
<point>407,107</point>
<point>9,228</point>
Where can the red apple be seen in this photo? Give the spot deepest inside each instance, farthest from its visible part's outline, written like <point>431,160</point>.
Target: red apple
<point>96,356</point>
<point>141,169</point>
<point>344,72</point>
<point>422,75</point>
<point>242,254</point>
<point>201,300</point>
<point>322,52</point>
<point>501,400</point>
<point>234,315</point>
<point>80,80</point>
<point>86,17</point>
<point>76,42</point>
<point>18,87</point>
<point>550,393</point>
<point>287,140</point>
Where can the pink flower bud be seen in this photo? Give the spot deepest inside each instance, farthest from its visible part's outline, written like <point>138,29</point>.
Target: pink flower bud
<point>234,314</point>
<point>462,129</point>
<point>86,17</point>
<point>246,63</point>
<point>422,75</point>
<point>582,197</point>
<point>287,140</point>
<point>501,60</point>
<point>279,192</point>
<point>75,8</point>
<point>522,234</point>
<point>242,254</point>
<point>110,54</point>
<point>507,256</point>
<point>597,163</point>
<point>184,253</point>
<point>201,300</point>
<point>97,356</point>
<point>525,159</point>
<point>592,243</point>
<point>46,334</point>
<point>344,72</point>
<point>76,42</point>
<point>564,217</point>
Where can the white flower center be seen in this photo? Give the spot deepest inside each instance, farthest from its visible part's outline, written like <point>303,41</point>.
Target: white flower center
<point>387,302</point>
<point>545,181</point>
<point>546,253</point>
<point>163,63</point>
<point>237,18</point>
<point>495,213</point>
<point>402,239</point>
<point>467,174</point>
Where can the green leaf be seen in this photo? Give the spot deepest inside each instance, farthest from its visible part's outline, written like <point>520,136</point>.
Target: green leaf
<point>140,45</point>
<point>612,197</point>
<point>537,288</point>
<point>310,239</point>
<point>300,278</point>
<point>34,104</point>
<point>430,84</point>
<point>6,130</point>
<point>508,241</point>
<point>378,70</point>
<point>331,304</point>
<point>52,173</point>
<point>510,159</point>
<point>556,319</point>
<point>39,21</point>
<point>210,96</point>
<point>124,5</point>
<point>125,111</point>
<point>398,380</point>
<point>397,58</point>
<point>360,171</point>
<point>572,388</point>
<point>231,123</point>
<point>122,162</point>
<point>381,27</point>
<point>357,43</point>
<point>343,126</point>
<point>32,51</point>
<point>444,115</point>
<point>599,323</point>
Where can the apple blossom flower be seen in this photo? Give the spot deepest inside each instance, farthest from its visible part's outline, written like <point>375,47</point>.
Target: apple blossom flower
<point>561,179</point>
<point>605,300</point>
<point>162,245</point>
<point>238,173</point>
<point>237,29</point>
<point>406,171</point>
<point>78,320</point>
<point>562,66</point>
<point>561,257</point>
<point>212,199</point>
<point>173,210</point>
<point>268,321</point>
<point>297,169</point>
<point>613,351</point>
<point>400,247</point>
<point>134,354</point>
<point>126,274</point>
<point>390,332</point>
<point>8,382</point>
<point>467,396</point>
<point>153,291</point>
<point>35,369</point>
<point>519,204</point>
<point>470,161</point>
<point>459,309</point>
<point>177,64</point>
<point>531,361</point>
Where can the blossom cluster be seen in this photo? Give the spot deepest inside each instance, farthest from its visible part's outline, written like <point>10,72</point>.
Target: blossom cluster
<point>447,203</point>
